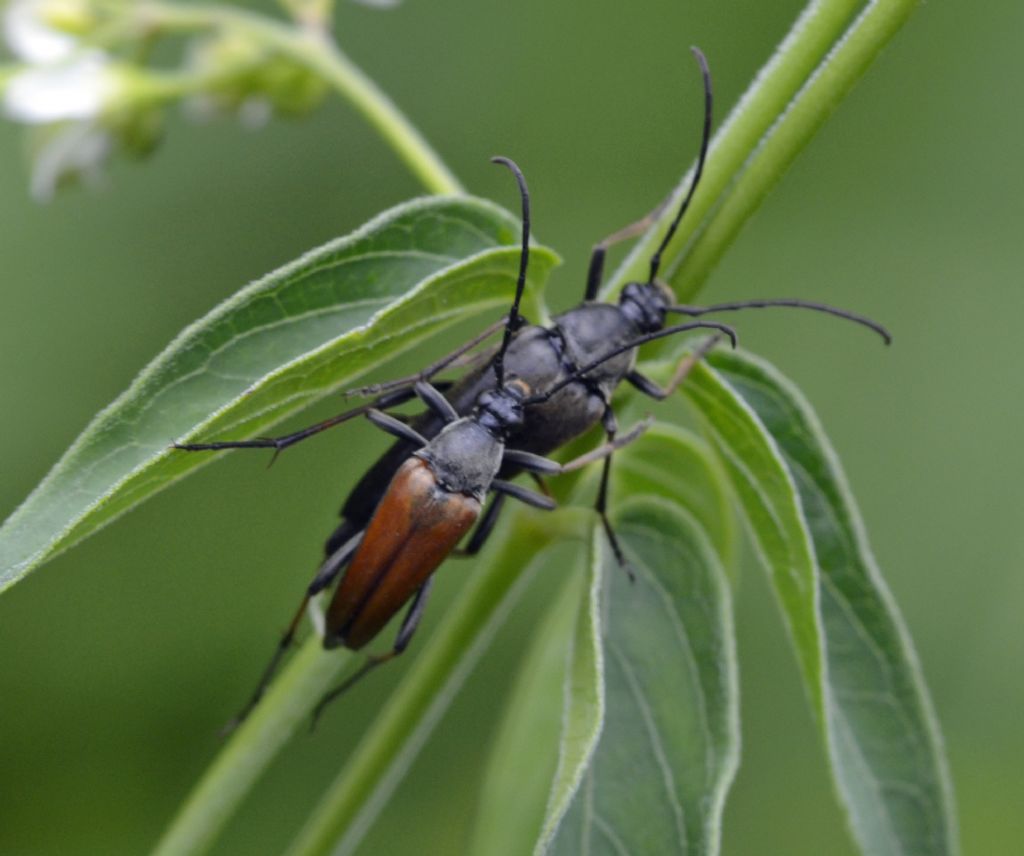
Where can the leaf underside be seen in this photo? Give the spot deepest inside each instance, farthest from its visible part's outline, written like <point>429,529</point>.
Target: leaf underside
<point>650,737</point>
<point>284,341</point>
<point>857,659</point>
<point>668,748</point>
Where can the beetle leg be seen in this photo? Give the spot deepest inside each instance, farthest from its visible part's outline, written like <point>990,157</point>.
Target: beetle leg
<point>531,462</point>
<point>546,466</point>
<point>410,623</point>
<point>503,489</point>
<point>543,485</point>
<point>523,494</point>
<point>395,426</point>
<point>539,464</point>
<point>328,572</point>
<point>686,364</point>
<point>325,575</point>
<point>611,428</point>
<point>405,633</point>
<point>596,271</point>
<point>455,358</point>
<point>483,528</point>
<point>430,396</point>
<point>279,444</point>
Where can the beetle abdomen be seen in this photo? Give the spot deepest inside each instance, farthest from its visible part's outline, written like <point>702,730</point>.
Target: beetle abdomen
<point>413,530</point>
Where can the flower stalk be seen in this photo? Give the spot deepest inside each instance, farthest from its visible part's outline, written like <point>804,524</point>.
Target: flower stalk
<point>236,61</point>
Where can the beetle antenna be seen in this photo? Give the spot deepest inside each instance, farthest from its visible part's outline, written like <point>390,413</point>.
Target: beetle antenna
<point>695,311</point>
<point>541,397</point>
<point>515,321</point>
<point>698,170</point>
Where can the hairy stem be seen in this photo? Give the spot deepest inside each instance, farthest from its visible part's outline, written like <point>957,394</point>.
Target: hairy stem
<point>316,50</point>
<point>826,51</point>
<point>283,711</point>
<point>364,785</point>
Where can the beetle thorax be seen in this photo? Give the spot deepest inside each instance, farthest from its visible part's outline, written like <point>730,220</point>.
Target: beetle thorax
<point>645,305</point>
<point>464,457</point>
<point>589,332</point>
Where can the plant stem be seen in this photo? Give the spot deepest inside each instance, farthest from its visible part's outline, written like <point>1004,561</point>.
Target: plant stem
<point>395,736</point>
<point>813,35</point>
<point>317,51</point>
<point>364,785</point>
<point>805,114</point>
<point>251,749</point>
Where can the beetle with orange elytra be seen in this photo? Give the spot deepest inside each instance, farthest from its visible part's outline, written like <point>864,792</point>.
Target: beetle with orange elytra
<point>577,362</point>
<point>433,499</point>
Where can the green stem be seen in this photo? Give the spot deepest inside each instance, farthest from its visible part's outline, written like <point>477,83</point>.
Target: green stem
<point>170,86</point>
<point>396,734</point>
<point>813,35</point>
<point>252,747</point>
<point>807,112</point>
<point>317,51</point>
<point>364,785</point>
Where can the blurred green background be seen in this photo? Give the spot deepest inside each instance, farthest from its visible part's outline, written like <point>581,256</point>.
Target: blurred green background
<point>123,657</point>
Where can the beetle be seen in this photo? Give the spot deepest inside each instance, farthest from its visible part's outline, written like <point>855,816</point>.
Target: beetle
<point>544,357</point>
<point>433,498</point>
<point>578,361</point>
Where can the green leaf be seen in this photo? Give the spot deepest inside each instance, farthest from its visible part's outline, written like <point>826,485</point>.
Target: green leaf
<point>673,463</point>
<point>584,697</point>
<point>370,775</point>
<point>864,682</point>
<point>669,746</point>
<point>764,488</point>
<point>279,344</point>
<point>521,767</point>
<point>511,812</point>
<point>650,737</point>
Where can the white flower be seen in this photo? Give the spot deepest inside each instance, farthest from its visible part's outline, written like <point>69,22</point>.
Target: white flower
<point>80,103</point>
<point>77,88</point>
<point>30,34</point>
<point>66,152</point>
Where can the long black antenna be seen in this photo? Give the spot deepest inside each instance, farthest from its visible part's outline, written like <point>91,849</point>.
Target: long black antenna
<point>514,319</point>
<point>794,303</point>
<point>541,397</point>
<point>698,170</point>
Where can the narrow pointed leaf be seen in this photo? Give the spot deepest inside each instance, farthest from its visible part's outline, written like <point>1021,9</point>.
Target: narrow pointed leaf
<point>669,747</point>
<point>279,344</point>
<point>881,734</point>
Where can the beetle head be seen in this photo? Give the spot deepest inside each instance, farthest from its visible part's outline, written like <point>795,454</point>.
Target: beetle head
<point>645,305</point>
<point>500,410</point>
